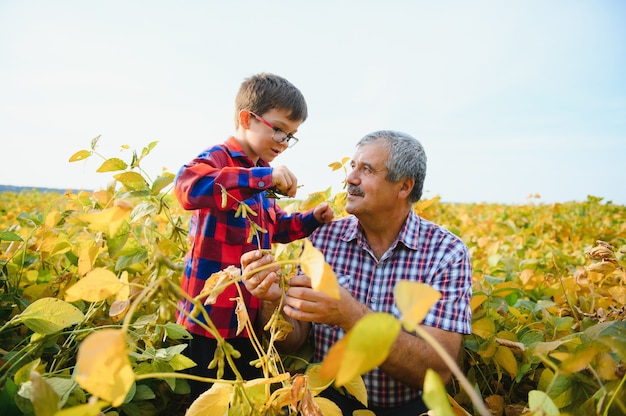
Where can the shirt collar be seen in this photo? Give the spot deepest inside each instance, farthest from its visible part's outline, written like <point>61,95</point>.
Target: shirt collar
<point>236,151</point>
<point>408,234</point>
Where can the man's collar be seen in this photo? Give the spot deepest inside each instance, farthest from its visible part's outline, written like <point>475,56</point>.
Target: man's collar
<point>408,234</point>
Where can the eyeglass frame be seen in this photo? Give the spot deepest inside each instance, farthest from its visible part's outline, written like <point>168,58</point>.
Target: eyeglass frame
<point>288,136</point>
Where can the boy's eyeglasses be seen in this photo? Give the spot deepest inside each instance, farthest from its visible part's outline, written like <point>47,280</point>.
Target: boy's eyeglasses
<point>279,136</point>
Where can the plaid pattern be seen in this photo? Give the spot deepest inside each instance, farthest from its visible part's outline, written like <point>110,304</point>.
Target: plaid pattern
<point>424,252</point>
<point>218,238</point>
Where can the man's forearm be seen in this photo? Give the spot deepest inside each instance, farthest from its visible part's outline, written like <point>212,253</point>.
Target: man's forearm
<point>411,356</point>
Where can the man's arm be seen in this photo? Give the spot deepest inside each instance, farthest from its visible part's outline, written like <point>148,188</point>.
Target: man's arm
<point>410,355</point>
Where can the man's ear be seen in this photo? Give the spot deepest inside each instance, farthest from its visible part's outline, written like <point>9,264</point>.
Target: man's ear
<point>244,119</point>
<point>406,186</point>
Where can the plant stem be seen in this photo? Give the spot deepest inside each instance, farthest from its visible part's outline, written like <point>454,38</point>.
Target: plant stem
<point>477,401</point>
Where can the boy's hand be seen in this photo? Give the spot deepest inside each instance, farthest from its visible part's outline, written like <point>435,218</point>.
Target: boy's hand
<point>323,213</point>
<point>284,181</point>
<point>264,284</point>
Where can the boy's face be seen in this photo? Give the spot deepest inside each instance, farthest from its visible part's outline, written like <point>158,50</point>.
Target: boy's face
<point>257,138</point>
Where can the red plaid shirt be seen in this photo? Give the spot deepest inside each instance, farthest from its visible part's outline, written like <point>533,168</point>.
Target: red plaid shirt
<point>218,238</point>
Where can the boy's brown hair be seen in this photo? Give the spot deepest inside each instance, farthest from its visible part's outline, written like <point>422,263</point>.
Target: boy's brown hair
<point>263,92</point>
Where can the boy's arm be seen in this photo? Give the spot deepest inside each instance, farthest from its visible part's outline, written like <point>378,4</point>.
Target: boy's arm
<point>295,226</point>
<point>199,184</point>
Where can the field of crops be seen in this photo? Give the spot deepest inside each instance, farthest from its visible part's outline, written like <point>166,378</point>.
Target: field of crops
<point>549,302</point>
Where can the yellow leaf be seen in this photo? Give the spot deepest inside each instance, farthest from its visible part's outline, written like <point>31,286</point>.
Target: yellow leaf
<point>313,200</point>
<point>356,387</point>
<point>216,283</point>
<point>111,165</point>
<point>322,276</point>
<point>318,406</point>
<point>124,293</point>
<point>50,315</point>
<point>505,288</point>
<point>505,359</point>
<point>484,328</point>
<point>42,395</point>
<point>96,286</point>
<point>87,258</point>
<point>52,219</point>
<point>334,358</point>
<point>132,180</point>
<point>242,315</point>
<point>476,301</point>
<point>214,401</point>
<point>360,352</point>
<point>80,155</point>
<point>618,293</point>
<point>579,359</point>
<point>107,220</point>
<point>316,383</point>
<point>23,374</point>
<point>435,395</point>
<point>103,367</point>
<point>414,301</point>
<point>88,409</point>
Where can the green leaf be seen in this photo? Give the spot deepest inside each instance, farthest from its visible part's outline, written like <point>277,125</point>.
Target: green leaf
<point>125,261</point>
<point>112,165</point>
<point>540,403</point>
<point>144,393</point>
<point>176,331</point>
<point>7,398</point>
<point>180,362</point>
<point>10,236</point>
<point>50,315</point>
<point>614,336</point>
<point>161,182</point>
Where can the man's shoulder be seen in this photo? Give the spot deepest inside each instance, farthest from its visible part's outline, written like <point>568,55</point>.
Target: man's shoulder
<point>338,227</point>
<point>437,232</point>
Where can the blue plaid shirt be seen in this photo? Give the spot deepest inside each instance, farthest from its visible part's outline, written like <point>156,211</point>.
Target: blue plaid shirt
<point>423,252</point>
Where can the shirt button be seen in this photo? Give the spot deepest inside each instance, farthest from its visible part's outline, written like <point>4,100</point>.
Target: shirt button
<point>261,184</point>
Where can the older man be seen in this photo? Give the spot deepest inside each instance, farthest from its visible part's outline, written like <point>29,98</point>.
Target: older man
<point>381,243</point>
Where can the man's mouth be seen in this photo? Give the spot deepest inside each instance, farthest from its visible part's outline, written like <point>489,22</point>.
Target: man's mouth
<point>354,191</point>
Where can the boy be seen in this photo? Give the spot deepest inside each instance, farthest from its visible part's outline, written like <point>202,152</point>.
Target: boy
<point>268,111</point>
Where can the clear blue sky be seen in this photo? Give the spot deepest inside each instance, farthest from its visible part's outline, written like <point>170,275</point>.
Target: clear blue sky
<point>508,98</point>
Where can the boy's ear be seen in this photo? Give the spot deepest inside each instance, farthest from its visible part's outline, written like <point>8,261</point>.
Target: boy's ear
<point>244,119</point>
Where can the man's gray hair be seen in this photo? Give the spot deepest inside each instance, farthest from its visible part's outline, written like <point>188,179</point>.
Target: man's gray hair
<point>407,158</point>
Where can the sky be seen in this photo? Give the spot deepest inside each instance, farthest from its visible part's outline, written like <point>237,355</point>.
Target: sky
<point>509,98</point>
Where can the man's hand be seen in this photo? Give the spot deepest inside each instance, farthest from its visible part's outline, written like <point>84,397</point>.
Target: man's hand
<point>284,181</point>
<point>264,284</point>
<point>305,304</point>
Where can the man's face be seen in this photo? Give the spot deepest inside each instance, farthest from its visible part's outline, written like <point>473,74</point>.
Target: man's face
<point>369,193</point>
